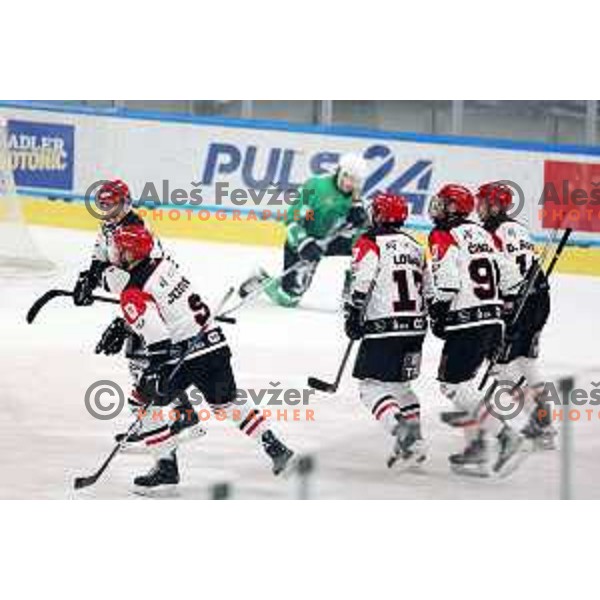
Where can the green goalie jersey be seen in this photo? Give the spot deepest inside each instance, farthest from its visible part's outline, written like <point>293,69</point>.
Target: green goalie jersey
<point>320,210</point>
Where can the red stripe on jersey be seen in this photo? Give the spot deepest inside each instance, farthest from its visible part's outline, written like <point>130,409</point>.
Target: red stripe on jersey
<point>440,241</point>
<point>133,303</point>
<point>497,241</point>
<point>363,246</point>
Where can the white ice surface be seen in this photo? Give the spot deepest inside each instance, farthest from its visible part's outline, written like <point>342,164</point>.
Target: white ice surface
<point>47,437</point>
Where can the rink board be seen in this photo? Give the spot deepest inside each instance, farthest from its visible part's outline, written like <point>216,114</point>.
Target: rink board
<point>575,260</point>
<point>62,152</point>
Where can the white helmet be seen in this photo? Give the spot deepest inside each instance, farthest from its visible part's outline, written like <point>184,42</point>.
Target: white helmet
<point>354,166</point>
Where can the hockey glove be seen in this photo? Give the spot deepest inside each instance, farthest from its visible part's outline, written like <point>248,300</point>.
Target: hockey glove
<point>353,325</point>
<point>87,282</point>
<point>113,338</point>
<point>437,314</point>
<point>357,216</point>
<point>310,250</point>
<point>508,315</point>
<point>155,382</point>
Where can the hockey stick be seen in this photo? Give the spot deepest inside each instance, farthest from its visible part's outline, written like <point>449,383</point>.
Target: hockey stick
<point>51,294</point>
<point>324,244</point>
<point>331,388</point>
<point>531,280</point>
<point>86,481</point>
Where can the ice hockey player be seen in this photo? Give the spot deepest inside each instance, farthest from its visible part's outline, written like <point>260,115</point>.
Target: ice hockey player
<point>184,348</point>
<point>113,199</point>
<point>469,279</point>
<point>331,219</point>
<point>387,313</point>
<point>119,336</point>
<point>521,338</point>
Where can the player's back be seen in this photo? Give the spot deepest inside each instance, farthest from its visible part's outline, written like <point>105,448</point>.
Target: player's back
<point>466,270</point>
<point>397,305</point>
<point>178,302</point>
<point>515,241</point>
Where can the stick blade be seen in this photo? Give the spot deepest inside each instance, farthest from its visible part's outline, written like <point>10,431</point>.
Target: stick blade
<point>36,307</point>
<point>83,482</point>
<point>226,319</point>
<point>42,301</point>
<point>320,385</point>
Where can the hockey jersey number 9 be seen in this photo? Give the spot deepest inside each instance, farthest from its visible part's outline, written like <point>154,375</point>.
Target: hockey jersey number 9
<point>471,273</point>
<point>397,263</point>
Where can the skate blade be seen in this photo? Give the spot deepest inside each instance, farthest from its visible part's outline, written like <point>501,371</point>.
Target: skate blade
<point>413,463</point>
<point>544,443</point>
<point>403,466</point>
<point>477,471</point>
<point>165,491</point>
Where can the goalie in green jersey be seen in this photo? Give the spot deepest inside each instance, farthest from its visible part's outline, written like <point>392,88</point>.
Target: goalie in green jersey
<point>328,219</point>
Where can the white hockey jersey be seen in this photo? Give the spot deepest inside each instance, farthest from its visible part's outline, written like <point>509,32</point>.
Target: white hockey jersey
<point>514,240</point>
<point>470,272</point>
<point>394,265</point>
<point>165,307</point>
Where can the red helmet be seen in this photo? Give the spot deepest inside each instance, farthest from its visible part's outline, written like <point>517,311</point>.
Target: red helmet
<point>113,193</point>
<point>495,194</point>
<point>458,196</point>
<point>133,242</point>
<point>389,208</point>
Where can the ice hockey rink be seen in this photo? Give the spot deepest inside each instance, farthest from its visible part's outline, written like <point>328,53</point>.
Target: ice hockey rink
<point>47,436</point>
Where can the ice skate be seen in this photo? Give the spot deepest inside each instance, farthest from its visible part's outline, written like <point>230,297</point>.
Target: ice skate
<point>511,451</point>
<point>473,460</point>
<point>279,453</point>
<point>162,478</point>
<point>540,429</point>
<point>409,447</point>
<point>253,283</point>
